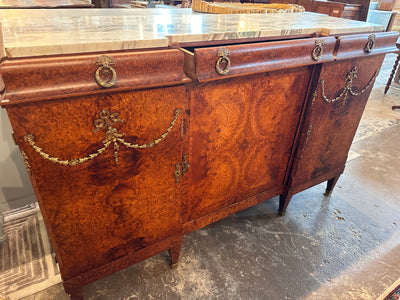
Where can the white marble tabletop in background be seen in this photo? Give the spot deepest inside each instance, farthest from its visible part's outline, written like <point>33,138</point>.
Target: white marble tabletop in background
<point>64,31</point>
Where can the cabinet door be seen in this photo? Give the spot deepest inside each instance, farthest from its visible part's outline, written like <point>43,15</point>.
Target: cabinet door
<point>331,119</point>
<point>242,133</point>
<point>122,195</point>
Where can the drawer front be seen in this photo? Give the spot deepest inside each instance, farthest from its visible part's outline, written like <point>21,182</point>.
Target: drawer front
<point>260,57</point>
<point>332,118</point>
<point>359,45</point>
<point>102,202</point>
<point>55,77</point>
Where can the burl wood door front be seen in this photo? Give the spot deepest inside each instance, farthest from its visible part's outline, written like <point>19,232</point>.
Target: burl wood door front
<point>105,171</point>
<point>332,118</point>
<point>242,133</point>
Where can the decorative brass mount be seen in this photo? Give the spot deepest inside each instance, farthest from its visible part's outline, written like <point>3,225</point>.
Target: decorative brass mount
<point>104,122</point>
<point>103,62</point>
<point>223,54</point>
<point>181,168</point>
<point>318,50</point>
<point>348,89</point>
<point>370,44</point>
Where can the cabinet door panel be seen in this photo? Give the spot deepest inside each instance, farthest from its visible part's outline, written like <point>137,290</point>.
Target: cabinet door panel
<point>100,210</point>
<point>332,118</point>
<point>243,129</point>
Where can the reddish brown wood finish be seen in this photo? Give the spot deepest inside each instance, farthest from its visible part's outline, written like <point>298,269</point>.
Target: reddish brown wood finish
<point>261,57</point>
<point>329,128</point>
<point>98,211</point>
<point>59,77</point>
<point>242,134</point>
<point>246,137</point>
<point>353,46</point>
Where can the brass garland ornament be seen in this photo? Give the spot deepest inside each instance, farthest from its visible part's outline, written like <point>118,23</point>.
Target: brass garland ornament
<point>318,50</point>
<point>223,54</point>
<point>104,69</point>
<point>105,122</point>
<point>348,89</point>
<point>26,161</point>
<point>370,44</point>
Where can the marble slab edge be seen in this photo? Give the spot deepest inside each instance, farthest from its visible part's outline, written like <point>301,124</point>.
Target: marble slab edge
<point>30,51</point>
<point>221,36</point>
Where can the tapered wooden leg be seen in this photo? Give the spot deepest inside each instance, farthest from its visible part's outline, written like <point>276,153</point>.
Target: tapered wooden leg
<point>330,185</point>
<point>284,200</point>
<point>75,293</point>
<point>174,254</point>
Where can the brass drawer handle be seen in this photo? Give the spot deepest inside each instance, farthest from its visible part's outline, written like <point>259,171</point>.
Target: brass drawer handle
<point>223,54</point>
<point>104,69</point>
<point>318,50</point>
<point>370,44</point>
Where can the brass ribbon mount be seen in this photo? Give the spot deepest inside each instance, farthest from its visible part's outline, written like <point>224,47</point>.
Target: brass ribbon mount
<point>348,89</point>
<point>105,122</point>
<point>223,57</point>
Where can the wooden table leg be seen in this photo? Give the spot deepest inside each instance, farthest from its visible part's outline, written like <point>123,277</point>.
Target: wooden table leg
<point>330,185</point>
<point>174,253</point>
<point>75,293</point>
<point>284,200</point>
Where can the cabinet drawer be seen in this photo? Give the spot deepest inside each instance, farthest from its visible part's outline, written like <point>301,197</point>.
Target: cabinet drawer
<point>360,45</point>
<point>63,76</point>
<point>205,64</point>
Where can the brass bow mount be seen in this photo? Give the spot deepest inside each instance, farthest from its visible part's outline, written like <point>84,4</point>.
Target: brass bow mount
<point>105,122</point>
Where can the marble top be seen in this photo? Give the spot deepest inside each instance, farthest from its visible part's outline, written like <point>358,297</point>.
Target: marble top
<point>44,3</point>
<point>64,31</point>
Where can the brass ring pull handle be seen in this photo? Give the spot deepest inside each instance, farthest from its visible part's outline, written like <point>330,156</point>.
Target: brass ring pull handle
<point>318,50</point>
<point>104,69</point>
<point>112,136</point>
<point>370,44</point>
<point>223,54</point>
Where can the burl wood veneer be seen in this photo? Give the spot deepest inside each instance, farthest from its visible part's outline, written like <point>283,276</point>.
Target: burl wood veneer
<point>128,151</point>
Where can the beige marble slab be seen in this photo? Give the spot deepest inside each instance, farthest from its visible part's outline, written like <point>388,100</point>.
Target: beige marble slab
<point>65,31</point>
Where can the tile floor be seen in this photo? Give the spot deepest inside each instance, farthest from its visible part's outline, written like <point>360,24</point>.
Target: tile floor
<point>346,246</point>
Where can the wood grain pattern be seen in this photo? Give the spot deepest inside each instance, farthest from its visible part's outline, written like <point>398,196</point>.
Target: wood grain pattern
<point>329,128</point>
<point>353,46</point>
<point>99,211</point>
<point>242,134</point>
<point>261,57</point>
<point>238,140</point>
<point>73,75</point>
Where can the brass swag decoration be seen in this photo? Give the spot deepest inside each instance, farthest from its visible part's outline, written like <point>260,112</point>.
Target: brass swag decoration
<point>105,122</point>
<point>348,89</point>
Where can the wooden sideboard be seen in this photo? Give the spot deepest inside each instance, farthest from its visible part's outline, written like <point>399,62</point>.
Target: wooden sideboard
<point>129,150</point>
